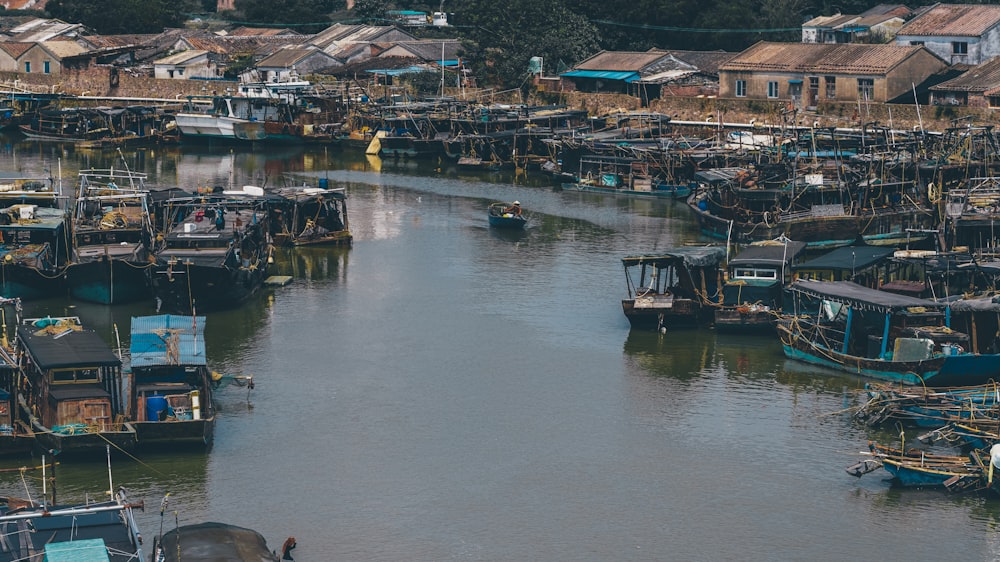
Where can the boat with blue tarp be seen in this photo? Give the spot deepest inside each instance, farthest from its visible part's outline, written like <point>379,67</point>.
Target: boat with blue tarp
<point>887,336</point>
<point>170,394</point>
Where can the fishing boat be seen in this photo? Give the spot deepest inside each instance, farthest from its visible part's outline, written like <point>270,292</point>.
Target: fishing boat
<point>313,216</point>
<point>916,468</point>
<point>112,236</point>
<point>71,388</point>
<point>215,253</point>
<point>216,541</point>
<point>170,384</point>
<point>753,290</point>
<point>96,126</point>
<point>673,289</point>
<point>75,532</point>
<point>34,238</point>
<point>882,335</point>
<point>506,215</point>
<point>16,438</point>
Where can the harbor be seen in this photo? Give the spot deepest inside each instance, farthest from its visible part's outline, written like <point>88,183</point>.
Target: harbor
<point>442,389</point>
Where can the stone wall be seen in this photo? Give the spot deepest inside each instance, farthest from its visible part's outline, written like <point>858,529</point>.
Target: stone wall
<point>97,82</point>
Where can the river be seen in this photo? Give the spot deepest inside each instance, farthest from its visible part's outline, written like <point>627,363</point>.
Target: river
<point>444,391</point>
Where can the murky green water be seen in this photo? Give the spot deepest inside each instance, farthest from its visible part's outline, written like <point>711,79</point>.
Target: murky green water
<point>443,391</point>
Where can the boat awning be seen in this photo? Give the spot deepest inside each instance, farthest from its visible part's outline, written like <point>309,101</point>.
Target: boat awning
<point>848,258</point>
<point>717,175</point>
<point>691,256</point>
<point>84,550</point>
<point>167,339</point>
<point>79,348</point>
<point>602,75</point>
<point>858,296</point>
<point>770,253</point>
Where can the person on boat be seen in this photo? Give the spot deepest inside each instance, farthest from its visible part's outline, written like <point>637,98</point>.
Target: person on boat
<point>514,209</point>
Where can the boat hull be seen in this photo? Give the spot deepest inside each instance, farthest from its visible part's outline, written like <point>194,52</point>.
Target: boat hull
<point>681,313</point>
<point>179,287</point>
<point>29,283</point>
<point>108,281</point>
<point>181,433</point>
<point>733,321</point>
<point>941,371</point>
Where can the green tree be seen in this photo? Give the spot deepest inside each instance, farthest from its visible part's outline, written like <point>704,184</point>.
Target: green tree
<point>290,12</point>
<point>123,16</point>
<point>503,36</point>
<point>370,11</point>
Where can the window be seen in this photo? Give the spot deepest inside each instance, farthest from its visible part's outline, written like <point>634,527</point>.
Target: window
<point>831,87</point>
<point>75,375</point>
<point>917,43</point>
<point>741,88</point>
<point>45,67</point>
<point>959,47</point>
<point>180,72</point>
<point>772,89</point>
<point>27,66</point>
<point>866,88</point>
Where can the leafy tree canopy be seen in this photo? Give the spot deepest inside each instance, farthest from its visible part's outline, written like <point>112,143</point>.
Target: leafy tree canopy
<point>110,17</point>
<point>290,12</point>
<point>508,34</point>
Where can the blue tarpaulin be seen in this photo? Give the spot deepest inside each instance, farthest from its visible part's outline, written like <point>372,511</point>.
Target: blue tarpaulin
<point>602,74</point>
<point>167,339</point>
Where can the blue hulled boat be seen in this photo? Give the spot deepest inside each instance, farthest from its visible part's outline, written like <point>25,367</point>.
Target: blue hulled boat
<point>882,335</point>
<point>506,215</point>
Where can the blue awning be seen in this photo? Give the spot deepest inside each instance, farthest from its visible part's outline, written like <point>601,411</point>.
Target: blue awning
<point>794,81</point>
<point>398,71</point>
<point>167,340</point>
<point>602,74</point>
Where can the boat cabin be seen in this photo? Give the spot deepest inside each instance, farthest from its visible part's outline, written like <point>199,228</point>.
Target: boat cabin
<point>755,280</point>
<point>864,265</point>
<point>171,391</point>
<point>674,288</point>
<point>73,377</point>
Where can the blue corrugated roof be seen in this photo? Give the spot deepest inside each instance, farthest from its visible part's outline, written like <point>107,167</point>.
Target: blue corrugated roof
<point>150,335</point>
<point>85,550</point>
<point>398,71</point>
<point>603,74</point>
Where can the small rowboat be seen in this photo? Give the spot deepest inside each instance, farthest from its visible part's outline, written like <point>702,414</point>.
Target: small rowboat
<point>501,217</point>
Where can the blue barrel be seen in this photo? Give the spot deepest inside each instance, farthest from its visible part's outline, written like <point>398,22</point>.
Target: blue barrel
<point>323,183</point>
<point>703,205</point>
<point>155,405</point>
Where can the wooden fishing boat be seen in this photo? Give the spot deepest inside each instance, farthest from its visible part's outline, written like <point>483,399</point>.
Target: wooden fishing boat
<point>75,532</point>
<point>171,387</point>
<point>914,344</point>
<point>673,289</point>
<point>916,468</point>
<point>112,236</point>
<point>506,215</point>
<point>313,216</point>
<point>216,251</point>
<point>71,388</point>
<point>753,291</point>
<point>33,238</point>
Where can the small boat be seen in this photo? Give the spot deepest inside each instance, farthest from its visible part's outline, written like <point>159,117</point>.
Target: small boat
<point>916,468</point>
<point>673,289</point>
<point>314,216</point>
<point>216,251</point>
<point>216,541</point>
<point>171,387</point>
<point>71,385</point>
<point>112,235</point>
<point>77,532</point>
<point>882,335</point>
<point>506,215</point>
<point>33,238</point>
